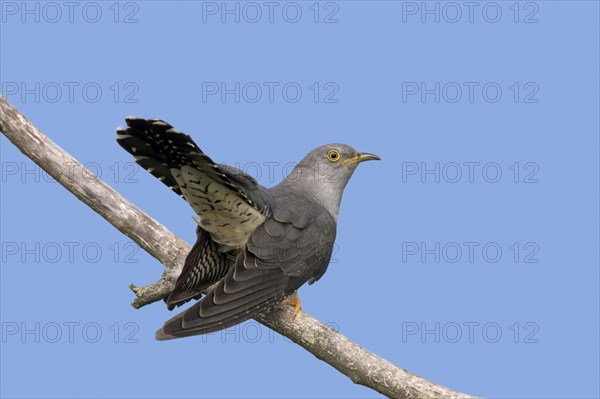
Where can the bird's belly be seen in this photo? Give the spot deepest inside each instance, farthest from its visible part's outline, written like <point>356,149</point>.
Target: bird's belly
<point>229,238</point>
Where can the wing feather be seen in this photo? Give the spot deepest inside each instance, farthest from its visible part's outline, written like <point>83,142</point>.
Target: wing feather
<point>262,276</point>
<point>231,204</point>
<point>205,265</point>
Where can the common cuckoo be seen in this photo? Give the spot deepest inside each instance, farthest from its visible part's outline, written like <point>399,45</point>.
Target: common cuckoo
<point>259,245</point>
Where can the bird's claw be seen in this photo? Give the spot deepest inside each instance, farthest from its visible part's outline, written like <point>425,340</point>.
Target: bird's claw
<point>294,300</point>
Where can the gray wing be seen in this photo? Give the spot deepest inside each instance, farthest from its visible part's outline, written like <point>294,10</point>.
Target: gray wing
<point>292,247</point>
<point>205,265</point>
<point>230,203</point>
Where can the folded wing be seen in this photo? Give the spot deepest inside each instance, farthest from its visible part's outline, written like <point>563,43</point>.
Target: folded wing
<point>286,251</point>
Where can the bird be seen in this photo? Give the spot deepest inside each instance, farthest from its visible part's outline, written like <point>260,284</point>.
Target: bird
<point>255,246</point>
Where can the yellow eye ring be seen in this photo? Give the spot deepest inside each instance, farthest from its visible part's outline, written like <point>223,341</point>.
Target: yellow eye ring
<point>333,155</point>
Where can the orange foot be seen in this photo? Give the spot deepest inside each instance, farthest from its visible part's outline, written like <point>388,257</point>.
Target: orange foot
<point>293,300</point>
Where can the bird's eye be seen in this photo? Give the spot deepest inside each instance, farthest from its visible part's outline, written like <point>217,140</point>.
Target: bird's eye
<point>333,155</point>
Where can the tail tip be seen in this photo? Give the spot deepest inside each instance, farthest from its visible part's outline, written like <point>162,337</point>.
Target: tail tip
<point>162,336</point>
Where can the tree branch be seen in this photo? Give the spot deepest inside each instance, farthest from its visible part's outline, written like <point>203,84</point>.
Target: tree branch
<point>360,365</point>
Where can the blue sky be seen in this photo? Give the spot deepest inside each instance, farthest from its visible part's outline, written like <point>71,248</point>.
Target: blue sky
<point>468,256</point>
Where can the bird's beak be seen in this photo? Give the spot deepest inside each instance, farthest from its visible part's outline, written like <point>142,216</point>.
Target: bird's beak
<point>365,156</point>
<point>362,157</point>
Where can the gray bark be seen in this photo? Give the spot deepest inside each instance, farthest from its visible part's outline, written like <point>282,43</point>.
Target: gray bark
<point>360,365</point>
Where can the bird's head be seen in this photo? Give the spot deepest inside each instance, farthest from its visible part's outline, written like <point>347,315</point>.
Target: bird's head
<point>333,162</point>
<point>326,170</point>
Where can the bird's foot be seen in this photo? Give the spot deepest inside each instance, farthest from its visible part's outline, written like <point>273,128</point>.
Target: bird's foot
<point>293,300</point>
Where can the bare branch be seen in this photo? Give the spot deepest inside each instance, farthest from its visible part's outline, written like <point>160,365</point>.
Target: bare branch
<point>360,365</point>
